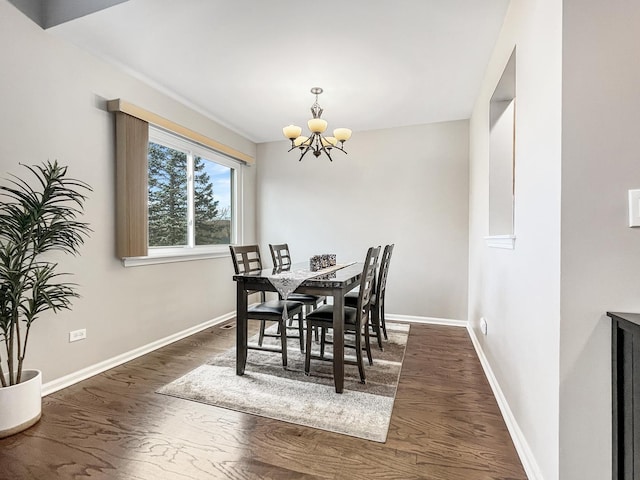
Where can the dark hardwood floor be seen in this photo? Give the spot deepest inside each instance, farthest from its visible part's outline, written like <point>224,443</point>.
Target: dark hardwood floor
<point>445,425</point>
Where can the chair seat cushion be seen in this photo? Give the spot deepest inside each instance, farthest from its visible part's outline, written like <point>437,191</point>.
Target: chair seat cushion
<point>351,299</point>
<point>324,314</point>
<point>274,307</point>
<point>304,298</point>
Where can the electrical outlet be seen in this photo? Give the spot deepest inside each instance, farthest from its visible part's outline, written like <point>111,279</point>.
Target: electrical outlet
<point>483,325</point>
<point>77,335</point>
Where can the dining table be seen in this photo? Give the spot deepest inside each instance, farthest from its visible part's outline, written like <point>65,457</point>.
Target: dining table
<point>333,282</point>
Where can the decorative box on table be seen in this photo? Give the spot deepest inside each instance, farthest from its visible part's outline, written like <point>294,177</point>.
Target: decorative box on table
<point>318,262</point>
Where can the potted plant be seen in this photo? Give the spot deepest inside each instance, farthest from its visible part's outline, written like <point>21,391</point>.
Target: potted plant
<point>37,218</point>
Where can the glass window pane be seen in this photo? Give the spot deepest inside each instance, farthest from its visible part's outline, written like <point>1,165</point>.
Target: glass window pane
<point>167,196</point>
<point>212,198</point>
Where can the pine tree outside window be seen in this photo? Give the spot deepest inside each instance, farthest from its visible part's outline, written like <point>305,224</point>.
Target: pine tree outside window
<point>192,196</point>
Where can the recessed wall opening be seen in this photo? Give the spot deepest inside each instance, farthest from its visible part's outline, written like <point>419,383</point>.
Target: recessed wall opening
<point>502,125</point>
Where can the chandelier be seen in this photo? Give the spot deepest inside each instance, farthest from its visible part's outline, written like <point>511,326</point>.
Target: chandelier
<point>316,143</point>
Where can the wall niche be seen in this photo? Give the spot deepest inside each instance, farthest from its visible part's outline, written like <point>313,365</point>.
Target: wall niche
<point>502,128</point>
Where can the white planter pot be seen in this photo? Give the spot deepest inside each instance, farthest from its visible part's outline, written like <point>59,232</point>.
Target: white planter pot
<point>21,404</point>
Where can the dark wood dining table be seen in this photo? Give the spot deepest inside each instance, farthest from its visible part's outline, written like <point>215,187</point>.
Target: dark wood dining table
<point>334,284</point>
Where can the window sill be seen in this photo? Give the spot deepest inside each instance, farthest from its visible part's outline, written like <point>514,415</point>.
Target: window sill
<point>173,258</point>
<point>501,241</point>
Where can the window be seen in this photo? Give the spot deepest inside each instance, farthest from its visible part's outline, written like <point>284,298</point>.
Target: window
<point>193,191</point>
<point>213,216</point>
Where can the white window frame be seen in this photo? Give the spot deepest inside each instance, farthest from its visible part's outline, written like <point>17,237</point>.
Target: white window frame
<point>191,251</point>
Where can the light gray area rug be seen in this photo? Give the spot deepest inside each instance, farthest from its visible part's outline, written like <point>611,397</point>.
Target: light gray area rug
<point>269,390</point>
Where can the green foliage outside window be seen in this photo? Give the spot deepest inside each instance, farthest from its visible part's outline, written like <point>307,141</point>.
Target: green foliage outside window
<point>168,201</point>
<point>212,222</point>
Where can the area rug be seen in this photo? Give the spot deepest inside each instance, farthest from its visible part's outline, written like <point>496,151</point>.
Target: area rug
<point>287,394</point>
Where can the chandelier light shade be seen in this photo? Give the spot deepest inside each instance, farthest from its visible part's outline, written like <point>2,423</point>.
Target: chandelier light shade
<point>316,143</point>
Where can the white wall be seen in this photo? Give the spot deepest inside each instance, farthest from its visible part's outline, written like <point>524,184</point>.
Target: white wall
<point>577,118</point>
<point>53,107</point>
<point>600,253</point>
<point>518,291</point>
<point>406,186</point>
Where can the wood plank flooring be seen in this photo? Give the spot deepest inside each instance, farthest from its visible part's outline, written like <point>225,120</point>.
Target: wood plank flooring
<point>446,425</point>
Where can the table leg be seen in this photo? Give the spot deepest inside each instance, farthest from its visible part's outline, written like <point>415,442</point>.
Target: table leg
<point>338,339</point>
<point>241,328</point>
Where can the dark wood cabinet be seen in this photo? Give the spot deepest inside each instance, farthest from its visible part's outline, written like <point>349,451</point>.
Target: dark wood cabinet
<point>625,375</point>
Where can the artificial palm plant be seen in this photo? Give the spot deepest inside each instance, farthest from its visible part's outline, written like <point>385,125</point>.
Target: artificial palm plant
<point>36,218</point>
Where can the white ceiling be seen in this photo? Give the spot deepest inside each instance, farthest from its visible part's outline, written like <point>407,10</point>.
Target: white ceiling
<point>250,64</point>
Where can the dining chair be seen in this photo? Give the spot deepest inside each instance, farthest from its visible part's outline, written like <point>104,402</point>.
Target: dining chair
<point>356,319</point>
<point>247,259</point>
<point>280,255</point>
<point>378,321</point>
<point>282,260</point>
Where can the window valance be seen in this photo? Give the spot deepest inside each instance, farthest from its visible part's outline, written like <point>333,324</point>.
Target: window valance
<point>119,105</point>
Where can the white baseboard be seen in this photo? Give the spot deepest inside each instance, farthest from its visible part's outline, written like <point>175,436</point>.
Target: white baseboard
<point>428,320</point>
<point>527,458</point>
<point>90,371</point>
<point>75,377</point>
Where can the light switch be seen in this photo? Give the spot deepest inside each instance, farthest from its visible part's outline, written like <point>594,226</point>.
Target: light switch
<point>634,208</point>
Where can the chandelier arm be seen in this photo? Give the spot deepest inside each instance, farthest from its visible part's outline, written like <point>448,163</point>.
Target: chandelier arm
<point>304,153</point>
<point>326,151</point>
<point>341,149</point>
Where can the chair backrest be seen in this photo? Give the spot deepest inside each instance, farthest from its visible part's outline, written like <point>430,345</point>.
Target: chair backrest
<point>383,271</point>
<point>280,255</point>
<point>367,281</point>
<point>246,258</point>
